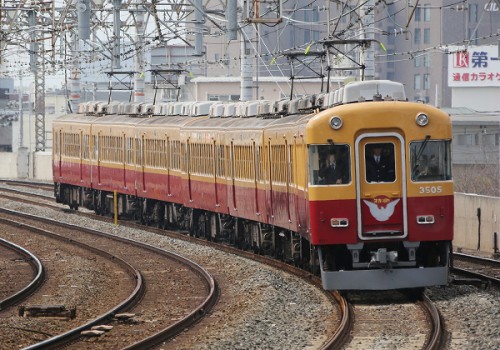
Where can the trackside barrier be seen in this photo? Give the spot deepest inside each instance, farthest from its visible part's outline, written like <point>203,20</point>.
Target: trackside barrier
<point>477,219</point>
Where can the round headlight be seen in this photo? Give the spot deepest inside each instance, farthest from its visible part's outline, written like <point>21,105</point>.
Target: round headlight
<point>422,119</point>
<point>336,123</point>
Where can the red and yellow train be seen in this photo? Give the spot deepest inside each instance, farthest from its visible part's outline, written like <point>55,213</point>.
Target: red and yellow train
<point>354,184</point>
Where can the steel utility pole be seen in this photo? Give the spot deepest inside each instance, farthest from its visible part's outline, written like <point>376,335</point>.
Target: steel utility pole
<point>116,30</point>
<point>246,69</point>
<point>368,33</point>
<point>37,66</point>
<point>77,45</point>
<point>139,58</point>
<point>74,78</point>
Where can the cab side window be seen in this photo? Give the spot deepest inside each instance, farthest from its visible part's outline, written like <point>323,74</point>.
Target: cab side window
<point>329,164</point>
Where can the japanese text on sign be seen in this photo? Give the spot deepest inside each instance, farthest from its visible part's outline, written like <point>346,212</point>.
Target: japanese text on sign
<point>476,66</point>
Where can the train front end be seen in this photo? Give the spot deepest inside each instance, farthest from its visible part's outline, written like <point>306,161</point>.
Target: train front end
<point>380,190</point>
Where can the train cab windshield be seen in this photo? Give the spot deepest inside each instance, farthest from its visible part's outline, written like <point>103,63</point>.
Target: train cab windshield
<point>430,160</point>
<point>329,164</point>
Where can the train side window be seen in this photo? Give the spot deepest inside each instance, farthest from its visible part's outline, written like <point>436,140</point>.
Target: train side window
<point>380,162</point>
<point>430,160</point>
<point>329,164</point>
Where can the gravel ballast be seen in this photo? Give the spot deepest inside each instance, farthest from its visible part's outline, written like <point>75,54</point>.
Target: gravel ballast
<point>261,307</point>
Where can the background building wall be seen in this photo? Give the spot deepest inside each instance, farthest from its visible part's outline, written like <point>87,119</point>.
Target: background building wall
<point>479,99</point>
<point>417,55</point>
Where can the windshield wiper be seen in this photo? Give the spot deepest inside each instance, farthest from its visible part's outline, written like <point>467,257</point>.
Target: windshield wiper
<point>421,150</point>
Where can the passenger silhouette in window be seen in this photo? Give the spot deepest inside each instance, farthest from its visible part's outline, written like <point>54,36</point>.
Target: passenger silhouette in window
<point>380,163</point>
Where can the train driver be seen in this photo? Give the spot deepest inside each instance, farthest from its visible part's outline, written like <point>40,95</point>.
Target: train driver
<point>333,170</point>
<point>379,165</point>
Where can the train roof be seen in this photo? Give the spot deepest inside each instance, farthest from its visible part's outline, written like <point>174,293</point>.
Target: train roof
<point>246,123</point>
<point>170,121</point>
<point>354,92</point>
<point>76,118</point>
<point>120,119</point>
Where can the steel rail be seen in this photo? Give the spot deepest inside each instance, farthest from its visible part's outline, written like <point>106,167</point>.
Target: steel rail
<point>437,338</point>
<point>477,260</point>
<point>489,279</point>
<point>199,312</point>
<point>35,282</point>
<point>14,191</point>
<point>74,333</point>
<point>340,335</point>
<point>33,184</point>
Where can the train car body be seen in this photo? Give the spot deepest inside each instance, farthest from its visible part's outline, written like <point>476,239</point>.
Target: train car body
<point>71,155</point>
<point>358,189</point>
<point>403,219</point>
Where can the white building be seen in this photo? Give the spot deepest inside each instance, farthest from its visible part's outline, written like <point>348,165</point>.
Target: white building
<point>474,78</point>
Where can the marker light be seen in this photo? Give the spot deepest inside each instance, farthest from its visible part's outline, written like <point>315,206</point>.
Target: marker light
<point>336,123</point>
<point>422,119</point>
<point>339,222</point>
<point>425,219</point>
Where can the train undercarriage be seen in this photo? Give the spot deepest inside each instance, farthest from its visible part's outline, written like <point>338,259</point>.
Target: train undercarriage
<point>245,234</point>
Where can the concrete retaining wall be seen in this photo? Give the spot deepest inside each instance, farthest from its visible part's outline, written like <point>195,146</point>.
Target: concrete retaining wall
<point>42,169</point>
<point>8,165</point>
<point>477,218</point>
<point>34,165</point>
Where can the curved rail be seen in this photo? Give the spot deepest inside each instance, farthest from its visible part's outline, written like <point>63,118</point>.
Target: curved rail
<point>478,260</point>
<point>438,337</point>
<point>341,334</point>
<point>74,333</point>
<point>33,285</point>
<point>164,334</point>
<point>188,320</point>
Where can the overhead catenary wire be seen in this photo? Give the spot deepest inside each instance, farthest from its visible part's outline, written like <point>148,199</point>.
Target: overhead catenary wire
<point>349,9</point>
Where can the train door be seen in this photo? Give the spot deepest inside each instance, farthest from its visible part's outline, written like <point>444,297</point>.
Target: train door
<point>142,151</point>
<point>187,162</point>
<point>216,155</point>
<point>270,182</point>
<point>81,155</point>
<point>287,154</point>
<point>255,154</point>
<point>221,153</point>
<point>99,155</point>
<point>168,162</point>
<point>124,159</point>
<point>232,169</point>
<point>381,186</point>
<point>59,152</point>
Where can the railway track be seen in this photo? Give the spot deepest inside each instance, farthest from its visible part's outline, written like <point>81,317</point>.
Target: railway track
<point>392,319</point>
<point>429,318</point>
<point>37,185</point>
<point>17,265</point>
<point>477,267</point>
<point>172,308</point>
<point>69,267</point>
<point>336,338</point>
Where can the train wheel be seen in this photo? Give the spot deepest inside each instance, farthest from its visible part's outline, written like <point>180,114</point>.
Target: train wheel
<point>159,215</point>
<point>214,227</point>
